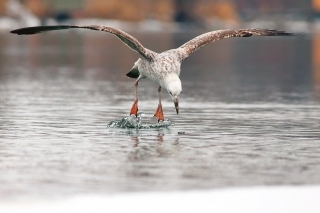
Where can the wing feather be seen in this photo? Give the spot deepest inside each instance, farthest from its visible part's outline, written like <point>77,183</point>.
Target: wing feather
<point>189,47</point>
<point>129,40</point>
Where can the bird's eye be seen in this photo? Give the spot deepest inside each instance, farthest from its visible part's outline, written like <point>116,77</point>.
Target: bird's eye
<point>170,93</point>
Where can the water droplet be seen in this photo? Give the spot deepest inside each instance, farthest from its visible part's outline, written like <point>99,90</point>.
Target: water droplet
<point>132,122</point>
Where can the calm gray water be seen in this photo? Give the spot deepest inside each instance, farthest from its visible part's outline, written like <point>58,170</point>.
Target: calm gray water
<point>249,116</point>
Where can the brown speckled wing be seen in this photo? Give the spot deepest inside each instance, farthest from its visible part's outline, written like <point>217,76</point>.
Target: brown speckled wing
<point>129,40</point>
<point>204,39</point>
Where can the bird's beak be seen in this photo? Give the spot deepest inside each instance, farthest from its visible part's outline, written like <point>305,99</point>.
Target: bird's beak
<point>176,104</point>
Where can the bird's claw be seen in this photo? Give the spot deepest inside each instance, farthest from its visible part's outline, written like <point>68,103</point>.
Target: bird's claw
<point>159,113</point>
<point>134,108</point>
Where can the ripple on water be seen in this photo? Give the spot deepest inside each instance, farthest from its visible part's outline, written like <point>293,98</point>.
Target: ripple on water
<point>132,122</point>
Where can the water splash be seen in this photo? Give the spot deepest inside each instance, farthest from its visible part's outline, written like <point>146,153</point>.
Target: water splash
<point>131,122</point>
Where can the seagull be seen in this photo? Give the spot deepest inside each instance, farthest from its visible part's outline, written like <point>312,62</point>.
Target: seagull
<point>162,68</point>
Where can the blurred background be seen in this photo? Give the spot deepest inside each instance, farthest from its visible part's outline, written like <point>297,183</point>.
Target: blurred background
<point>200,13</point>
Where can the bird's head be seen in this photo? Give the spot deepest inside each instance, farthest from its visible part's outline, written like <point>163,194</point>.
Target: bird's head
<point>174,88</point>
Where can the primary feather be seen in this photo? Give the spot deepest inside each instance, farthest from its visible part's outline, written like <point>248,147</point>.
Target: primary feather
<point>129,40</point>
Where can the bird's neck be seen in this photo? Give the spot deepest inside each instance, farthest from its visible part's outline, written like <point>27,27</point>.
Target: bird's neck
<point>172,79</point>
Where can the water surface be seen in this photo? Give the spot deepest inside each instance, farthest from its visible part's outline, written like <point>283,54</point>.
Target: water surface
<point>249,115</point>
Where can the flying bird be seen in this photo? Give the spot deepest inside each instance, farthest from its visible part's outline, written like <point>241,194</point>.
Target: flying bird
<point>162,68</point>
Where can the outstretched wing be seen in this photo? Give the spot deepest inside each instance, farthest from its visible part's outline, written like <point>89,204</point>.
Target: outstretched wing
<point>129,40</point>
<point>206,38</point>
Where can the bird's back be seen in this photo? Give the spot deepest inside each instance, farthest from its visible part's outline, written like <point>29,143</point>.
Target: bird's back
<point>166,63</point>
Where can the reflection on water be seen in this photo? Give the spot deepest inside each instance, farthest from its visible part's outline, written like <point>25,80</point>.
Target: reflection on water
<point>249,116</point>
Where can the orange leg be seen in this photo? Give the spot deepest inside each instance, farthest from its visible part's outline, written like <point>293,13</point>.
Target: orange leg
<point>134,108</point>
<point>159,112</point>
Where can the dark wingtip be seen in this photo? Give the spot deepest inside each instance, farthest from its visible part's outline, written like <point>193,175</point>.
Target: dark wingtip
<point>26,31</point>
<point>39,29</point>
<point>297,34</point>
<point>281,33</point>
